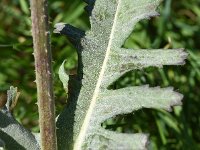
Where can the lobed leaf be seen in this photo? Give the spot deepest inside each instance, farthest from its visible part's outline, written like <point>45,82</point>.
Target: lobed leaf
<point>102,60</point>
<point>14,135</point>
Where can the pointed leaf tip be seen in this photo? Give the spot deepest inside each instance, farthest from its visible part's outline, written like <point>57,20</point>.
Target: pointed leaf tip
<point>12,98</point>
<point>59,27</point>
<point>63,76</point>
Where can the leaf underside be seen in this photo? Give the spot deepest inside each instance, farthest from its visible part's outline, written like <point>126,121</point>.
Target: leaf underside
<point>102,60</point>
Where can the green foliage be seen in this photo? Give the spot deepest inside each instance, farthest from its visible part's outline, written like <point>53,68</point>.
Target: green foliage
<point>177,26</point>
<point>63,76</point>
<point>101,62</point>
<point>14,135</point>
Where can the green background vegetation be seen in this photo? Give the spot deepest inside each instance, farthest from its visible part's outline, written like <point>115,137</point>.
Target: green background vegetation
<point>178,26</point>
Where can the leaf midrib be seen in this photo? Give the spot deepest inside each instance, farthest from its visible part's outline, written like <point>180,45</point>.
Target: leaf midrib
<point>85,125</point>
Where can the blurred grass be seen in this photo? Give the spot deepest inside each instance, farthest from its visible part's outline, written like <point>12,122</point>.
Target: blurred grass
<point>178,26</point>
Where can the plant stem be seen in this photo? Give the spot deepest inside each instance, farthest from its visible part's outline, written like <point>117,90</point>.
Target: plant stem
<point>42,54</point>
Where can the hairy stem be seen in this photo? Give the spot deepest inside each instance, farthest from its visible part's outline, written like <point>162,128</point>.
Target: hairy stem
<point>42,54</point>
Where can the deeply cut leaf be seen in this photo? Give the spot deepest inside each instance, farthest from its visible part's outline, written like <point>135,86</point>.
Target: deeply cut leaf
<point>102,60</point>
<point>14,135</point>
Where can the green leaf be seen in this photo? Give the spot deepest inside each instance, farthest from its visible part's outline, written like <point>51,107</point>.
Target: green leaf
<point>102,60</point>
<point>12,97</point>
<point>14,135</point>
<point>64,77</point>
